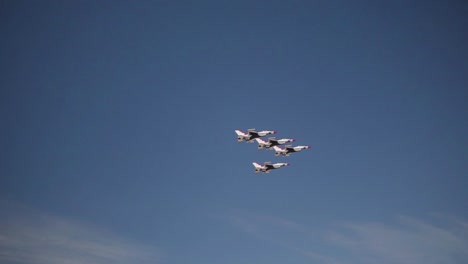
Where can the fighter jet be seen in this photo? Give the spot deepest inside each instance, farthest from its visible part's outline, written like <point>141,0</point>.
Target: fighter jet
<point>288,149</point>
<point>267,166</point>
<point>272,141</point>
<point>252,134</point>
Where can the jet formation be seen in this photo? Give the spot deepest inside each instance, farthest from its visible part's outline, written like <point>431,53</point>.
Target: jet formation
<point>270,144</point>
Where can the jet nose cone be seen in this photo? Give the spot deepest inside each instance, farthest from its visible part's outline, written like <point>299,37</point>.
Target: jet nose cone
<point>293,140</point>
<point>308,147</point>
<point>287,164</point>
<point>274,132</point>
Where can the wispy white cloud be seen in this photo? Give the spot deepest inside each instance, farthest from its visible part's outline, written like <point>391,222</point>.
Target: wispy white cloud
<point>406,241</point>
<point>29,237</point>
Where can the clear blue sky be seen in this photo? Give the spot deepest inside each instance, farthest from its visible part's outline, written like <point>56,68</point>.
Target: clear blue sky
<point>118,123</point>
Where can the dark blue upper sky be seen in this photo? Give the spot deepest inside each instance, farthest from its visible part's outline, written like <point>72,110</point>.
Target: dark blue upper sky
<point>120,115</point>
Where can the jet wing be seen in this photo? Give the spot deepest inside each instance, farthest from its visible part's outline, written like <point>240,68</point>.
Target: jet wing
<point>288,147</point>
<point>252,132</point>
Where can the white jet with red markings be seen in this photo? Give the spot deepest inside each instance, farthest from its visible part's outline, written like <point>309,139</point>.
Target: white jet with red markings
<point>272,141</point>
<point>252,134</point>
<point>288,149</point>
<point>267,166</point>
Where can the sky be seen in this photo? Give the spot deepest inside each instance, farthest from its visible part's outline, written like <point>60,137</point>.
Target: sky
<point>118,141</point>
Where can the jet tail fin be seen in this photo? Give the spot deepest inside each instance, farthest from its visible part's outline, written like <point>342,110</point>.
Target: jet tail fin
<point>260,141</point>
<point>239,132</point>
<point>256,165</point>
